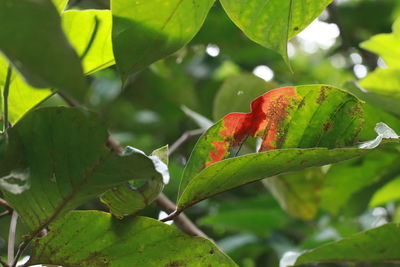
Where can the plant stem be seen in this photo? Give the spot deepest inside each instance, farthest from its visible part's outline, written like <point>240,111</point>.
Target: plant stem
<point>11,237</point>
<point>5,97</point>
<point>184,137</point>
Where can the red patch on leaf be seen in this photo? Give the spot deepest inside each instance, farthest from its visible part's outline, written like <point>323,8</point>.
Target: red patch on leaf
<point>267,112</point>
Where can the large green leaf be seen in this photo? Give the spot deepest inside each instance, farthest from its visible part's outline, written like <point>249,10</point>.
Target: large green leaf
<point>376,245</point>
<point>48,61</point>
<point>57,159</point>
<point>234,172</point>
<point>89,32</point>
<point>145,31</point>
<point>272,23</point>
<point>345,179</point>
<point>93,238</point>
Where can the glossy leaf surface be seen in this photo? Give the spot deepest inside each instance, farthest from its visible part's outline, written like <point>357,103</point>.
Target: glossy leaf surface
<point>57,159</point>
<point>143,34</point>
<point>48,61</point>
<point>272,23</point>
<point>234,172</point>
<point>376,245</point>
<point>290,117</point>
<point>92,238</point>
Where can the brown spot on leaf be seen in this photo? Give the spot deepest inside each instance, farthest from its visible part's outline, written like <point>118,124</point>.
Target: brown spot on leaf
<point>322,95</point>
<point>327,126</point>
<point>296,28</point>
<point>175,264</point>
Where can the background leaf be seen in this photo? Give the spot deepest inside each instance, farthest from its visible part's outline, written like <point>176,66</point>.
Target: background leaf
<point>376,245</point>
<point>48,61</point>
<point>145,31</point>
<point>94,238</point>
<point>272,23</point>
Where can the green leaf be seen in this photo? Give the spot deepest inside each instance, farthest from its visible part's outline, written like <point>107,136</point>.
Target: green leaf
<point>272,23</point>
<point>57,159</point>
<point>48,61</point>
<point>345,179</point>
<point>389,192</point>
<point>93,238</point>
<point>238,91</point>
<point>383,81</point>
<point>128,199</point>
<point>60,4</point>
<point>89,32</point>
<point>298,193</point>
<point>386,45</point>
<point>376,245</point>
<point>145,31</point>
<point>290,117</point>
<point>234,172</point>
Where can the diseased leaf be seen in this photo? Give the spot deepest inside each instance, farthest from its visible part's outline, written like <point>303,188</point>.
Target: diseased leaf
<point>272,23</point>
<point>48,61</point>
<point>129,199</point>
<point>89,32</point>
<point>93,238</point>
<point>380,244</point>
<point>57,159</point>
<point>291,117</point>
<point>143,34</point>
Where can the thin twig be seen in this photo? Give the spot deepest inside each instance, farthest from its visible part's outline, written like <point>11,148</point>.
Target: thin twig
<point>183,222</point>
<point>6,91</point>
<point>184,137</point>
<point>11,237</point>
<point>4,204</point>
<point>20,250</point>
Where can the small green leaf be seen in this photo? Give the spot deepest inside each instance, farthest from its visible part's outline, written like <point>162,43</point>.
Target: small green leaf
<point>57,159</point>
<point>386,45</point>
<point>40,51</point>
<point>127,199</point>
<point>389,192</point>
<point>272,23</point>
<point>145,31</point>
<point>380,244</point>
<point>89,32</point>
<point>93,238</point>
